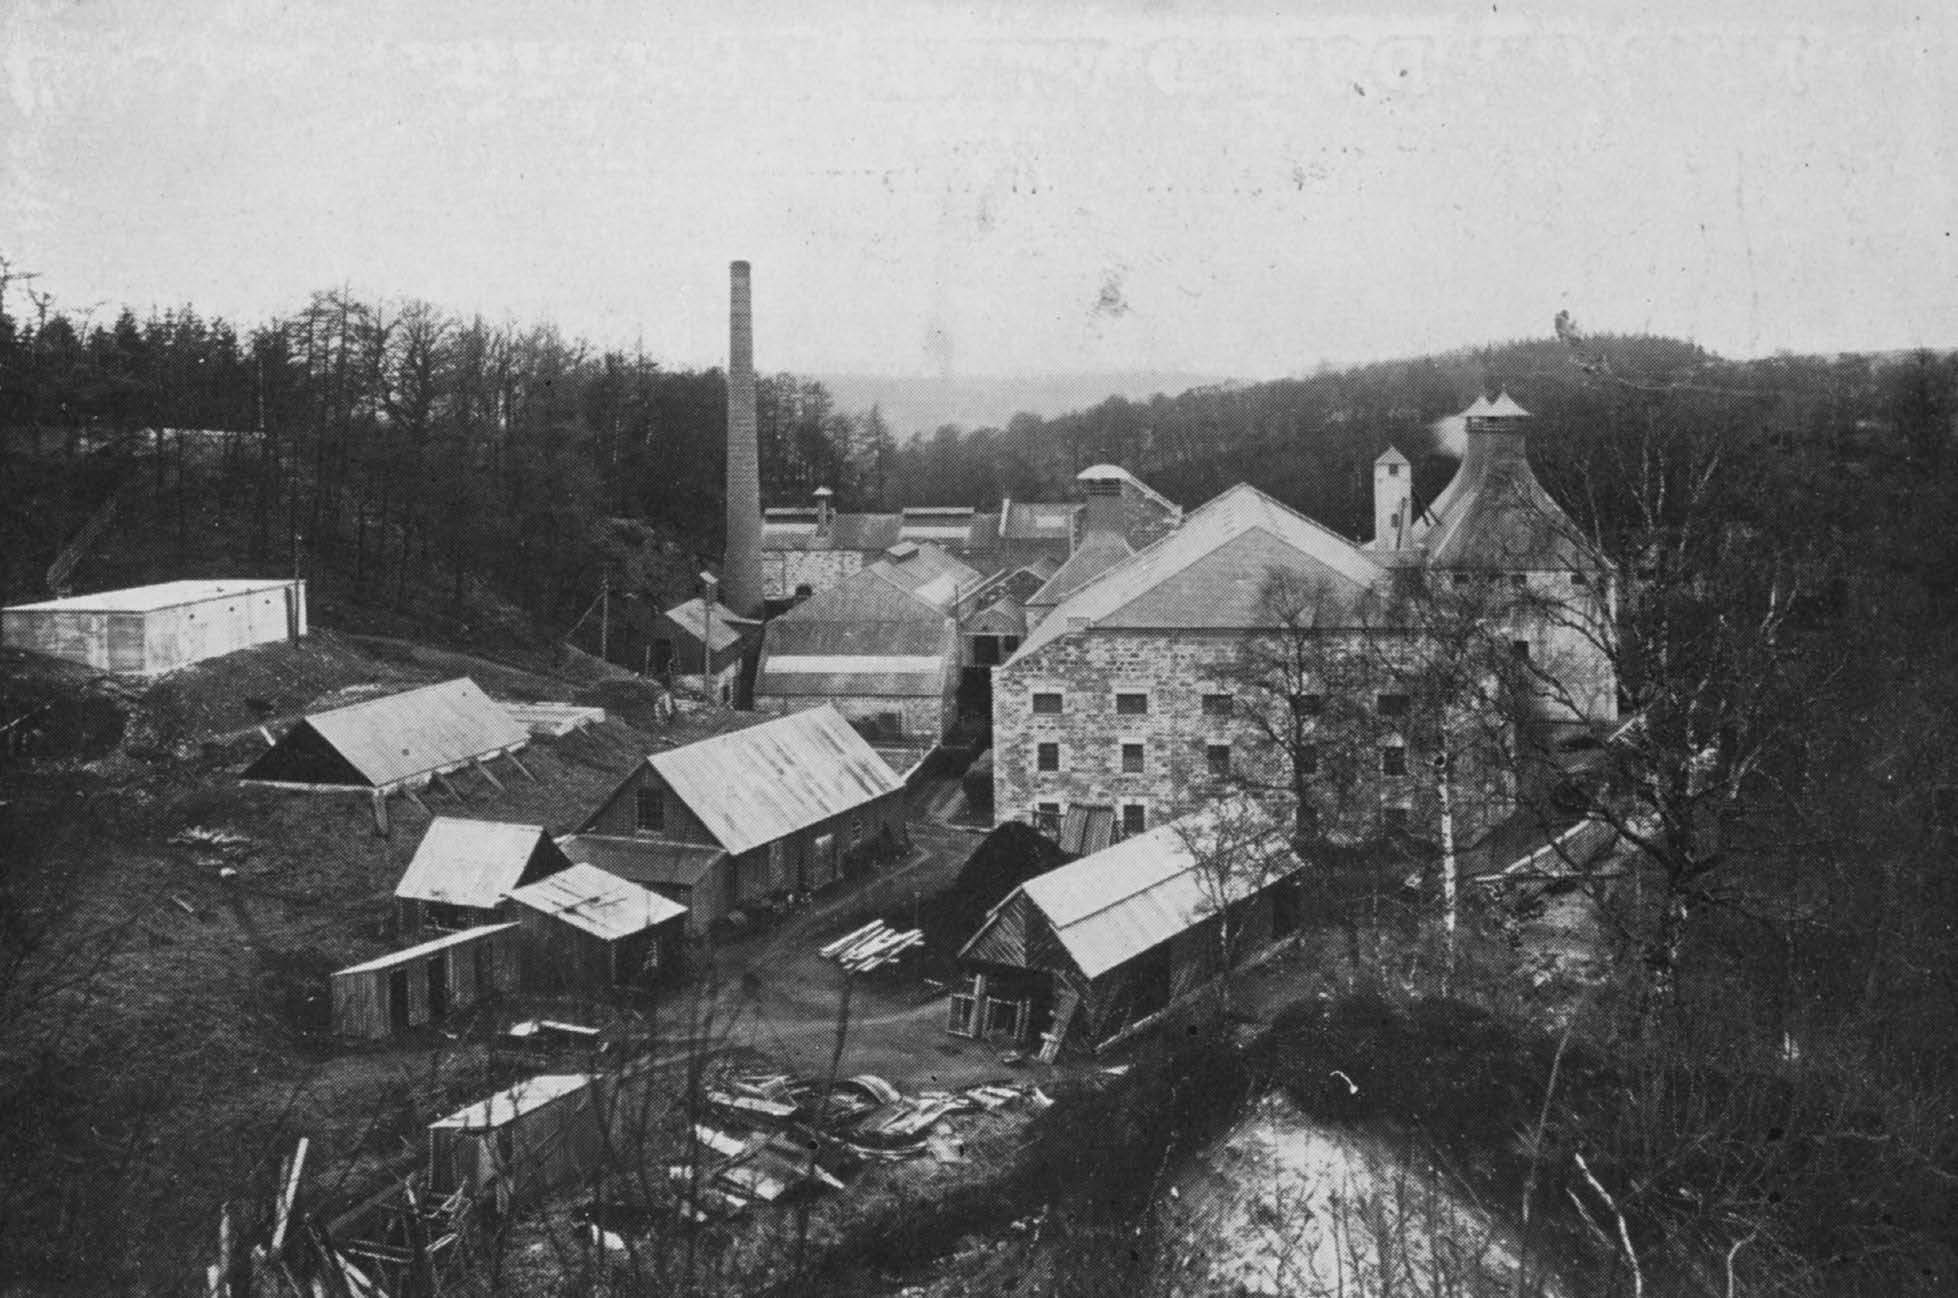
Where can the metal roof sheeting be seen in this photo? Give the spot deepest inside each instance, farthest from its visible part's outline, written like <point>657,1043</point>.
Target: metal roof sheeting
<point>437,727</point>
<point>753,786</point>
<point>691,617</point>
<point>468,862</point>
<point>598,902</point>
<point>442,943</point>
<point>647,861</point>
<point>527,1095</point>
<point>1110,907</point>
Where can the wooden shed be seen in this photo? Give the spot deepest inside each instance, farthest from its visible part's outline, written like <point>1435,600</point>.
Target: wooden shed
<point>792,803</point>
<point>1098,947</point>
<point>147,630</point>
<point>585,930</point>
<point>399,741</point>
<point>697,875</point>
<point>425,983</point>
<point>463,870</point>
<point>519,1144</point>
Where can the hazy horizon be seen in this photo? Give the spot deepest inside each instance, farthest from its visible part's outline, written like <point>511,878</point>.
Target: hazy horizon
<point>1005,191</point>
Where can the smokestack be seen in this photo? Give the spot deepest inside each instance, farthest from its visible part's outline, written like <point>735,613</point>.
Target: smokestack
<point>742,588</point>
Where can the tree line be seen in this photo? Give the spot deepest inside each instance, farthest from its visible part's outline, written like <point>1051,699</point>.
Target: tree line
<point>406,451</point>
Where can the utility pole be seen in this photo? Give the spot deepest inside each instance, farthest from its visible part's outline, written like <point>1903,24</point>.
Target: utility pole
<point>605,616</point>
<point>709,586</point>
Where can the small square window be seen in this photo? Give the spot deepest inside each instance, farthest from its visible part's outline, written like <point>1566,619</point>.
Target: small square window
<point>1131,705</point>
<point>1047,757</point>
<point>1393,705</point>
<point>1135,818</point>
<point>1218,758</point>
<point>649,810</point>
<point>1218,705</point>
<point>1047,817</point>
<point>1307,759</point>
<point>1047,704</point>
<point>1394,818</point>
<point>1308,705</point>
<point>1519,580</point>
<point>1393,761</point>
<point>1131,759</point>
<point>1521,650</point>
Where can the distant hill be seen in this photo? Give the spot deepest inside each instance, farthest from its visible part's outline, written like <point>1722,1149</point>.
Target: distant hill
<point>914,403</point>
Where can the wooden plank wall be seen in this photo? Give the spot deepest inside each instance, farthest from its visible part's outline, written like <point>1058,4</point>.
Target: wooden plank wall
<point>362,1002</point>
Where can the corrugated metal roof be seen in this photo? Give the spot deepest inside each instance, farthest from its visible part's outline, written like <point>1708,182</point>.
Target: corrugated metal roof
<point>1110,907</point>
<point>1032,520</point>
<point>531,1093</point>
<point>468,862</point>
<point>1294,539</point>
<point>599,902</point>
<point>691,617</point>
<point>755,785</point>
<point>647,861</point>
<point>864,636</point>
<point>405,735</point>
<point>929,573</point>
<point>406,954</point>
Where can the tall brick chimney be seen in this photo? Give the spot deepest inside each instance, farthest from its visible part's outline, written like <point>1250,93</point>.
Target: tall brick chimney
<point>741,588</point>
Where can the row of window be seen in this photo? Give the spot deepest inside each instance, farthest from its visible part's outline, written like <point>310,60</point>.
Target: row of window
<point>1135,703</point>
<point>1135,818</point>
<point>1393,758</point>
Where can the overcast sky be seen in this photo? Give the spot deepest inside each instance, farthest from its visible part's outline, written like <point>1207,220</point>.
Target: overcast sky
<point>987,189</point>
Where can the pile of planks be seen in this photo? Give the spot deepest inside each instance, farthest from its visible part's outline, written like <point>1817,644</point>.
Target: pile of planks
<point>874,945</point>
<point>282,1253</point>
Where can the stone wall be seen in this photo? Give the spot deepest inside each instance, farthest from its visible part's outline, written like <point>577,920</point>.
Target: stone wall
<point>1089,668</point>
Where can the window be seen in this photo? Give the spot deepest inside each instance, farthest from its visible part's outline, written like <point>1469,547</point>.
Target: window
<point>1392,705</point>
<point>1393,470</point>
<point>1308,705</point>
<point>1047,757</point>
<point>1131,759</point>
<point>1218,758</point>
<point>985,650</point>
<point>1393,760</point>
<point>1135,817</point>
<point>1577,580</point>
<point>1307,759</point>
<point>1008,643</point>
<point>1521,649</point>
<point>1131,705</point>
<point>1518,580</point>
<point>1047,818</point>
<point>1393,819</point>
<point>1218,705</point>
<point>1047,704</point>
<point>649,810</point>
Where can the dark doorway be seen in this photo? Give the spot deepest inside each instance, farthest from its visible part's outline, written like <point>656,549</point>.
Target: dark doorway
<point>398,1000</point>
<point>438,986</point>
<point>485,972</point>
<point>1150,980</point>
<point>1284,908</point>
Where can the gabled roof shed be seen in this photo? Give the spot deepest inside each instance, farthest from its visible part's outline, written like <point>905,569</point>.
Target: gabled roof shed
<point>397,740</point>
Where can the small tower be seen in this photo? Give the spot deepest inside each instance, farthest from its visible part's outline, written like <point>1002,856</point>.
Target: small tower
<point>824,498</point>
<point>1393,500</point>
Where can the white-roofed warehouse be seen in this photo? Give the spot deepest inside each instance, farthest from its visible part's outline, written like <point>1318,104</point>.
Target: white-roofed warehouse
<point>1095,948</point>
<point>148,630</point>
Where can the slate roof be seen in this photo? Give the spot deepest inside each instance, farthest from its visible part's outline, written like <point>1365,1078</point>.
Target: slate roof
<point>927,572</point>
<point>1112,906</point>
<point>1097,553</point>
<point>468,862</point>
<point>1036,520</point>
<point>1211,573</point>
<point>1494,514</point>
<point>598,902</point>
<point>753,786</point>
<point>797,530</point>
<point>401,736</point>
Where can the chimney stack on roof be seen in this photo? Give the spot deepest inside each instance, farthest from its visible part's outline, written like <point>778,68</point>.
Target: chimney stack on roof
<point>743,560</point>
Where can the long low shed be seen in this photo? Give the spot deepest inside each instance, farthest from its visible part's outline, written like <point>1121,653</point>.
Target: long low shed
<point>397,741</point>
<point>148,630</point>
<point>426,983</point>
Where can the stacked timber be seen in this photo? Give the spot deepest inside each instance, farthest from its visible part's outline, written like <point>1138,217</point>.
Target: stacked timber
<point>871,947</point>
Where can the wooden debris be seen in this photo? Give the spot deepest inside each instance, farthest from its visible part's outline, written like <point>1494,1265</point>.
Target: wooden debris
<point>872,946</point>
